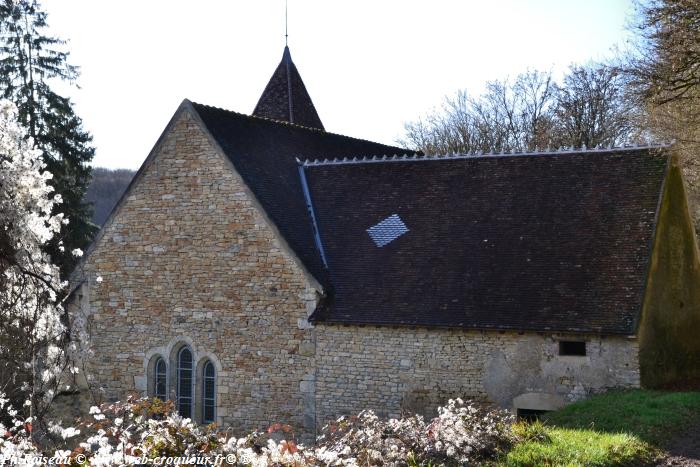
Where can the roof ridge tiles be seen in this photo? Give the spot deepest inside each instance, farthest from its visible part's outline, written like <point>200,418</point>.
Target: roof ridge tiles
<point>259,117</point>
<point>481,154</point>
<point>283,122</point>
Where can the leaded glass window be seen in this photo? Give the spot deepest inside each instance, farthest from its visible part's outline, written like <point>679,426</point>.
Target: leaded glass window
<point>208,393</point>
<point>160,387</point>
<point>185,382</point>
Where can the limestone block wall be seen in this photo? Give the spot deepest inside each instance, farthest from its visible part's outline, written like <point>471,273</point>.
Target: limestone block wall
<point>404,370</point>
<point>189,259</point>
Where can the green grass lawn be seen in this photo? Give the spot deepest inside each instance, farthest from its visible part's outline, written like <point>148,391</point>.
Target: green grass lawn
<point>617,428</point>
<point>653,416</point>
<point>571,447</point>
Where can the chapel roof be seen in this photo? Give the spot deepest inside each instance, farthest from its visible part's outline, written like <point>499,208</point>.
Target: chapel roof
<point>550,242</point>
<point>285,97</point>
<point>265,153</point>
<point>546,242</point>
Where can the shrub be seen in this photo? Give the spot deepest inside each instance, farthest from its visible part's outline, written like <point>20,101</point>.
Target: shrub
<point>129,433</point>
<point>460,434</point>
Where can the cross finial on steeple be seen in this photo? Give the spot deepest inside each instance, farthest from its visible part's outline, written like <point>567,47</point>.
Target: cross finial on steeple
<point>285,23</point>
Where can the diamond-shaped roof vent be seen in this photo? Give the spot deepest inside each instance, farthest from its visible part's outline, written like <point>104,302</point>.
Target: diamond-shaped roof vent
<point>387,230</point>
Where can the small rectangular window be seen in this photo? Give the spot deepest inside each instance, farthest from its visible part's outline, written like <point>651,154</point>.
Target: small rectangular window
<point>575,348</point>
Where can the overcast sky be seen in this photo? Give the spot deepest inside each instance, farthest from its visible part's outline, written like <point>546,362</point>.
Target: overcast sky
<point>369,66</point>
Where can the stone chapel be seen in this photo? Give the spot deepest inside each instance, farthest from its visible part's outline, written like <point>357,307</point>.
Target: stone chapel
<point>261,269</point>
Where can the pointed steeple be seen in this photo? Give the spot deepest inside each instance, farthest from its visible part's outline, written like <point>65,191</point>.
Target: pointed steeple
<point>285,97</point>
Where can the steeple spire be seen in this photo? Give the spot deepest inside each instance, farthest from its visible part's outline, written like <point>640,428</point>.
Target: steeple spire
<point>285,97</point>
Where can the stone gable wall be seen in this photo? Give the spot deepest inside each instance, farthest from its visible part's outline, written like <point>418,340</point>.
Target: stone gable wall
<point>403,370</point>
<point>668,329</point>
<point>189,258</point>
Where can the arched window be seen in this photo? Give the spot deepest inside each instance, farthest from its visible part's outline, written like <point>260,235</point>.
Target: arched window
<point>208,393</point>
<point>160,375</point>
<point>185,382</point>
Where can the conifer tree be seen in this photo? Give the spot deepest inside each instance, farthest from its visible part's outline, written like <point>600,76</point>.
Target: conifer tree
<point>30,61</point>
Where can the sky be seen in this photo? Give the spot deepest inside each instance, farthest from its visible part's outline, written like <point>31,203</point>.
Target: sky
<point>369,66</point>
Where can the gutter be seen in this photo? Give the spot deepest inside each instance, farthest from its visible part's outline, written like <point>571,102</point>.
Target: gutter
<point>310,207</point>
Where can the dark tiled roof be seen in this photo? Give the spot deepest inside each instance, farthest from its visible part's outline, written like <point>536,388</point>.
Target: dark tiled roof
<point>264,152</point>
<point>285,97</point>
<point>556,242</point>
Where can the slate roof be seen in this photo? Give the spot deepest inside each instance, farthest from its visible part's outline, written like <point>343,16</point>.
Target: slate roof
<point>544,242</point>
<point>265,154</point>
<point>285,97</point>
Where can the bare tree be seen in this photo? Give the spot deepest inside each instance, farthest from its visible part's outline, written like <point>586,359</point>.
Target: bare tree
<point>664,75</point>
<point>508,116</point>
<point>593,109</point>
<point>518,115</point>
<point>666,66</point>
<point>538,92</point>
<point>452,129</point>
<point>589,108</point>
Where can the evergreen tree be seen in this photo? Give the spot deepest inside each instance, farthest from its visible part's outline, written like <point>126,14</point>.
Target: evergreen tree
<point>29,61</point>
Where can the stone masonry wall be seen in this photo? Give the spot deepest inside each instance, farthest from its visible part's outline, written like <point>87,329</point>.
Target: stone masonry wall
<point>189,259</point>
<point>403,370</point>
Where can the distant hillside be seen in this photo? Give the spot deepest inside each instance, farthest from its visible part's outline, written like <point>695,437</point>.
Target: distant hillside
<point>106,188</point>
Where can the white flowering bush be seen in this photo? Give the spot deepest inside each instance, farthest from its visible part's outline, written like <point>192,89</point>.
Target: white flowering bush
<point>462,433</point>
<point>469,432</point>
<point>15,436</point>
<point>147,431</point>
<point>32,332</point>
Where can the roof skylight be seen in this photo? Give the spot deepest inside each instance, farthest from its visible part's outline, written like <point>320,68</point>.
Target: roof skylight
<point>387,230</point>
